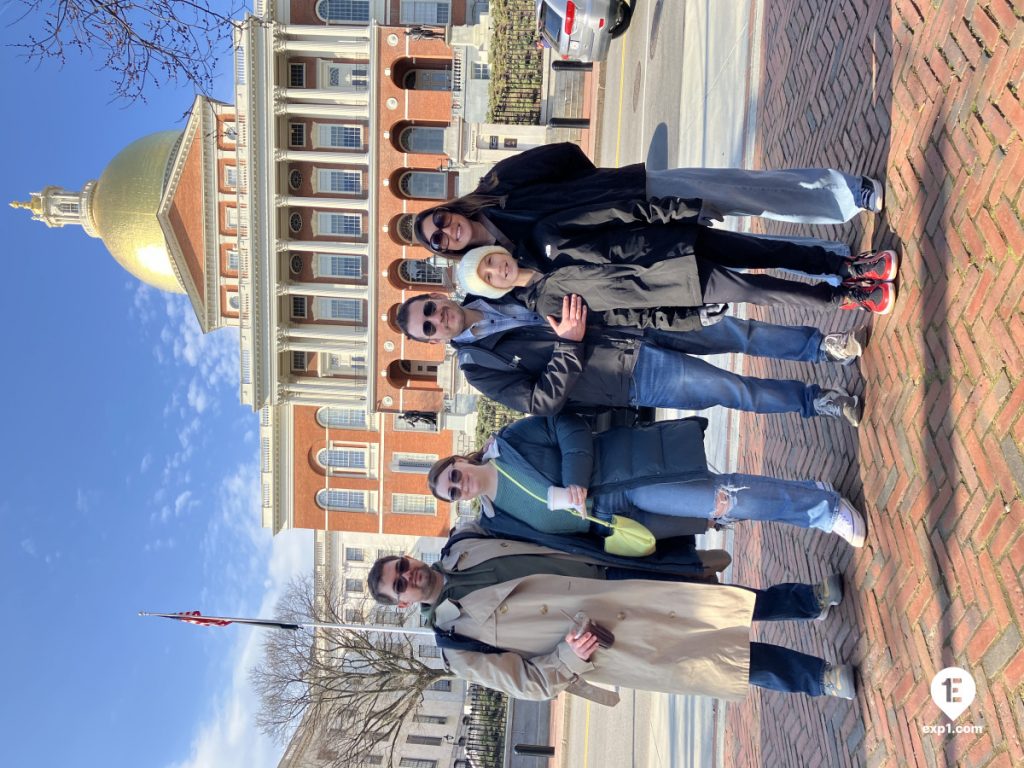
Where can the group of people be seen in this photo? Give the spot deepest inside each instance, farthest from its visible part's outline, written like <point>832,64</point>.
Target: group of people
<point>601,287</point>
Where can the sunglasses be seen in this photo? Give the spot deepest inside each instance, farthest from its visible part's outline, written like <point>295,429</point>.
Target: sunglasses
<point>439,240</point>
<point>454,478</point>
<point>401,583</point>
<point>429,308</point>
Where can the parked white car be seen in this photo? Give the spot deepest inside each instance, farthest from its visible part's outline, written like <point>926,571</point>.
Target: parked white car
<point>582,30</point>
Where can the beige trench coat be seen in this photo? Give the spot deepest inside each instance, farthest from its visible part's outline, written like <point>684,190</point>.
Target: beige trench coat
<point>672,637</point>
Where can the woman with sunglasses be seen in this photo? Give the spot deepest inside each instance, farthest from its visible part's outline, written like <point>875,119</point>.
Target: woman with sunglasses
<point>536,468</point>
<point>532,185</point>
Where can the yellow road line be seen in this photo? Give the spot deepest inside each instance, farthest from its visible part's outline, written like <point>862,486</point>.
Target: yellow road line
<point>618,117</point>
<point>586,735</point>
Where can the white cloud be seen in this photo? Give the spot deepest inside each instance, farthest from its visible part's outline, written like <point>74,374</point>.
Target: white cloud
<point>228,736</point>
<point>28,546</point>
<point>147,460</point>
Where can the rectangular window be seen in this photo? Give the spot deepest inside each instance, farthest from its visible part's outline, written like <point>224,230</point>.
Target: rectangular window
<point>413,504</point>
<point>333,498</point>
<point>416,463</point>
<point>231,176</point>
<point>354,585</point>
<point>440,685</point>
<point>347,77</point>
<point>348,224</point>
<point>297,134</point>
<point>511,143</point>
<point>354,554</point>
<point>297,75</point>
<point>233,260</point>
<point>299,361</point>
<point>417,762</point>
<point>343,10</point>
<point>428,652</point>
<point>350,310</point>
<point>349,182</point>
<point>430,557</point>
<point>353,616</point>
<point>430,719</point>
<point>423,12</point>
<point>481,71</point>
<point>344,364</point>
<point>340,136</point>
<point>298,306</point>
<point>231,217</point>
<point>342,418</point>
<point>429,741</point>
<point>343,459</point>
<point>335,265</point>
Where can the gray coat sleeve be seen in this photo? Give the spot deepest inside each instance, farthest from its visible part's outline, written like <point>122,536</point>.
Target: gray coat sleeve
<point>538,678</point>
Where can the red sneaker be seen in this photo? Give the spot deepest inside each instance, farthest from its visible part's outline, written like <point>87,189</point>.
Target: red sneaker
<point>882,265</point>
<point>871,297</point>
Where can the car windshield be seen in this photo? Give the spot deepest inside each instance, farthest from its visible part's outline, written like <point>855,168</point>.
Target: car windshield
<point>550,22</point>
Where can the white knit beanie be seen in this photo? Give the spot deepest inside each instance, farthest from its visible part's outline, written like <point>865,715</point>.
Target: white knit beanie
<point>467,277</point>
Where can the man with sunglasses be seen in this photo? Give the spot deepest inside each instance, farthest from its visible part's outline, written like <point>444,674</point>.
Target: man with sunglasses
<point>502,609</point>
<point>542,365</point>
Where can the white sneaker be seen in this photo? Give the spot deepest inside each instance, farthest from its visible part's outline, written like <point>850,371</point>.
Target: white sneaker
<point>842,348</point>
<point>849,524</point>
<point>839,681</point>
<point>872,195</point>
<point>829,593</point>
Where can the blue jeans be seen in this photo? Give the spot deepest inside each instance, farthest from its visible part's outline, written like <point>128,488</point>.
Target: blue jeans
<point>750,497</point>
<point>750,337</point>
<point>664,378</point>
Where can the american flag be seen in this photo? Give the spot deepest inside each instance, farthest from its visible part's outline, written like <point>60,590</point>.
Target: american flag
<point>195,617</point>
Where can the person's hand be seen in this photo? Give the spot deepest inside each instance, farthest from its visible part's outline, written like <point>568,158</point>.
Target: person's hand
<point>583,646</point>
<point>573,324</point>
<point>578,496</point>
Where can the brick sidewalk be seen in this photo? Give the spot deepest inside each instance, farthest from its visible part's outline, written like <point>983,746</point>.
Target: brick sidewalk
<point>928,96</point>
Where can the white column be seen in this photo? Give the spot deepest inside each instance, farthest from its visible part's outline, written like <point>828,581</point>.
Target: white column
<point>328,96</point>
<point>341,334</point>
<point>349,31</point>
<point>333,290</point>
<point>328,48</point>
<point>327,384</point>
<point>306,156</point>
<point>326,111</point>
<point>327,398</point>
<point>326,203</point>
<point>317,347</point>
<point>323,246</point>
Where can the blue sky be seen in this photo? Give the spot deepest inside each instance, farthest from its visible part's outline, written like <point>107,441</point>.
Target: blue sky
<point>129,470</point>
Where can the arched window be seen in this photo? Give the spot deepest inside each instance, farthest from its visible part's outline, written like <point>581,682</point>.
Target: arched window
<point>424,139</point>
<point>343,10</point>
<point>342,458</point>
<point>420,271</point>
<point>428,79</point>
<point>342,501</point>
<point>341,418</point>
<point>424,185</point>
<point>404,227</point>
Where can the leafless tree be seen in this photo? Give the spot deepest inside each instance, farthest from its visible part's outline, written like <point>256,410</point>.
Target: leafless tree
<point>356,689</point>
<point>145,43</point>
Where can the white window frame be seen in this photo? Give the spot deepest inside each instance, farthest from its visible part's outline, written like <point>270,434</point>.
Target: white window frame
<point>354,3</point>
<point>433,130</point>
<point>231,217</point>
<point>348,79</point>
<point>231,176</point>
<point>440,194</point>
<point>349,369</point>
<point>367,451</point>
<point>412,463</point>
<point>413,504</point>
<point>326,179</point>
<point>326,220</point>
<point>323,495</point>
<point>346,310</point>
<point>355,418</point>
<point>291,134</point>
<point>481,70</point>
<point>322,136</point>
<point>233,257</point>
<point>419,12</point>
<point>293,67</point>
<point>324,266</point>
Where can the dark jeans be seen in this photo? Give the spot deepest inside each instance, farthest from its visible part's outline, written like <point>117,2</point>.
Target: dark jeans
<point>771,666</point>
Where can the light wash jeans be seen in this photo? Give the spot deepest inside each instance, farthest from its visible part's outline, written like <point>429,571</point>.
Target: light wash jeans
<point>798,195</point>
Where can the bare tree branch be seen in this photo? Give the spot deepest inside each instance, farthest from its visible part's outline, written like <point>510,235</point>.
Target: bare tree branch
<point>358,688</point>
<point>145,43</point>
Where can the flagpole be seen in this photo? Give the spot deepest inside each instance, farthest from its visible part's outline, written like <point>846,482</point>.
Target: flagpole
<point>273,624</point>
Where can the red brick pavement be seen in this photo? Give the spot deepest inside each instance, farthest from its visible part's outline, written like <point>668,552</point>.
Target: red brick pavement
<point>929,96</point>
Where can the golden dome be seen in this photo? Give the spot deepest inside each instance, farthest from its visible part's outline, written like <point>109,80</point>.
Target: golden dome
<point>124,206</point>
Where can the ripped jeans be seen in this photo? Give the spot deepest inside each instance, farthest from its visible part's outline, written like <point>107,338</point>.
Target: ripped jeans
<point>725,499</point>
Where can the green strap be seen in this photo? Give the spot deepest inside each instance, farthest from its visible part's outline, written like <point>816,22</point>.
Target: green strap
<point>535,497</point>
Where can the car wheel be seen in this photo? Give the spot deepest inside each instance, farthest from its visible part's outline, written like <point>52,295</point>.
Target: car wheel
<point>623,15</point>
